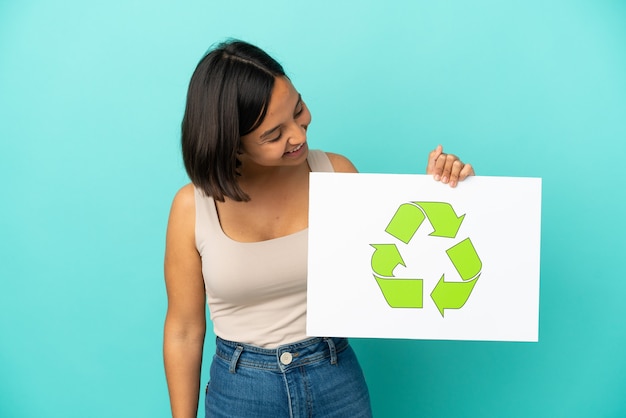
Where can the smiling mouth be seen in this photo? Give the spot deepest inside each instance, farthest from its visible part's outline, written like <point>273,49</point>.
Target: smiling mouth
<point>296,149</point>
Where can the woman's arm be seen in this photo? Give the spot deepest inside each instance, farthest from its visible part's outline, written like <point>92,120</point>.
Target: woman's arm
<point>185,323</point>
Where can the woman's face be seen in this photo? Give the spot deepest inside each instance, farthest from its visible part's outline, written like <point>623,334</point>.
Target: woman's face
<point>281,138</point>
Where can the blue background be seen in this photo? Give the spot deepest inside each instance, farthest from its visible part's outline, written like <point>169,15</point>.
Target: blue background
<point>91,98</point>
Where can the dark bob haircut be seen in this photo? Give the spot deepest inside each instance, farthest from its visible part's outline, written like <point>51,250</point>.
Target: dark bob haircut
<point>227,98</point>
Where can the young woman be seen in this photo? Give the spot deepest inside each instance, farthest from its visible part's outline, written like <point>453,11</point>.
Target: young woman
<point>237,239</point>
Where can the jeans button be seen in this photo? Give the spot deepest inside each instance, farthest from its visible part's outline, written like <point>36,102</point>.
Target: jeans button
<point>286,358</point>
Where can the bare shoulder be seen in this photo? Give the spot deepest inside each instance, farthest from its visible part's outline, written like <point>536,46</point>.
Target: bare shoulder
<point>183,266</point>
<point>182,213</point>
<point>341,164</point>
<point>184,200</point>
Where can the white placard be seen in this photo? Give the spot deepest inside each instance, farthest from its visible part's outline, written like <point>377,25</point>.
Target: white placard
<point>403,256</point>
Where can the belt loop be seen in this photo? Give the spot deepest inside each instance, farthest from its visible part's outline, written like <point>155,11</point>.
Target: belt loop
<point>333,350</point>
<point>235,359</point>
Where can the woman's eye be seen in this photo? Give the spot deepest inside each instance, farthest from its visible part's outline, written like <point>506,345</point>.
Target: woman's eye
<point>274,139</point>
<point>299,110</point>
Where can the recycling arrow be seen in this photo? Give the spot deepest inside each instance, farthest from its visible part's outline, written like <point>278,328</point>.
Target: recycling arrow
<point>408,292</point>
<point>465,259</point>
<point>443,218</point>
<point>405,222</point>
<point>404,293</point>
<point>398,293</point>
<point>410,216</point>
<point>385,259</point>
<point>453,295</point>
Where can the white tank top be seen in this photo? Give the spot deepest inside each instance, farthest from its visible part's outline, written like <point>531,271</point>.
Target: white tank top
<point>256,291</point>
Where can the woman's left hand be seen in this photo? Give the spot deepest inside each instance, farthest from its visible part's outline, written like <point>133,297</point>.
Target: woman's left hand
<point>447,168</point>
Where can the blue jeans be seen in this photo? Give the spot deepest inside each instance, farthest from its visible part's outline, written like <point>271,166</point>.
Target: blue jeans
<point>316,377</point>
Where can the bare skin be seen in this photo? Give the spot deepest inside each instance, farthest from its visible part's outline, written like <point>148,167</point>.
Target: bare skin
<point>275,174</point>
<point>447,168</point>
<point>185,322</point>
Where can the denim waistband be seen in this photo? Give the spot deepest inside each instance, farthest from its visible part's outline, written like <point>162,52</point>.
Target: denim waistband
<point>282,358</point>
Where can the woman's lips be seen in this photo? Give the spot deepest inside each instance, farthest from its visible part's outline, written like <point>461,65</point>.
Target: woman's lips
<point>296,151</point>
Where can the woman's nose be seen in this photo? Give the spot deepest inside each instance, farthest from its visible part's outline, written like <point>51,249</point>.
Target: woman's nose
<point>298,134</point>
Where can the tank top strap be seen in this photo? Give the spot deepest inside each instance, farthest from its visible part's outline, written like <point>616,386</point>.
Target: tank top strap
<point>319,161</point>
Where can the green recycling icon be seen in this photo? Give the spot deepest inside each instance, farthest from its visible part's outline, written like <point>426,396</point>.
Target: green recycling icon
<point>408,292</point>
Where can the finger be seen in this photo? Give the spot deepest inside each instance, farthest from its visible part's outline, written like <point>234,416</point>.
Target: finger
<point>440,164</point>
<point>467,171</point>
<point>432,158</point>
<point>457,168</point>
<point>447,168</point>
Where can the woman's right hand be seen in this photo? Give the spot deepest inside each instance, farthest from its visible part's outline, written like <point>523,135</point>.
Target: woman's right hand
<point>447,168</point>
